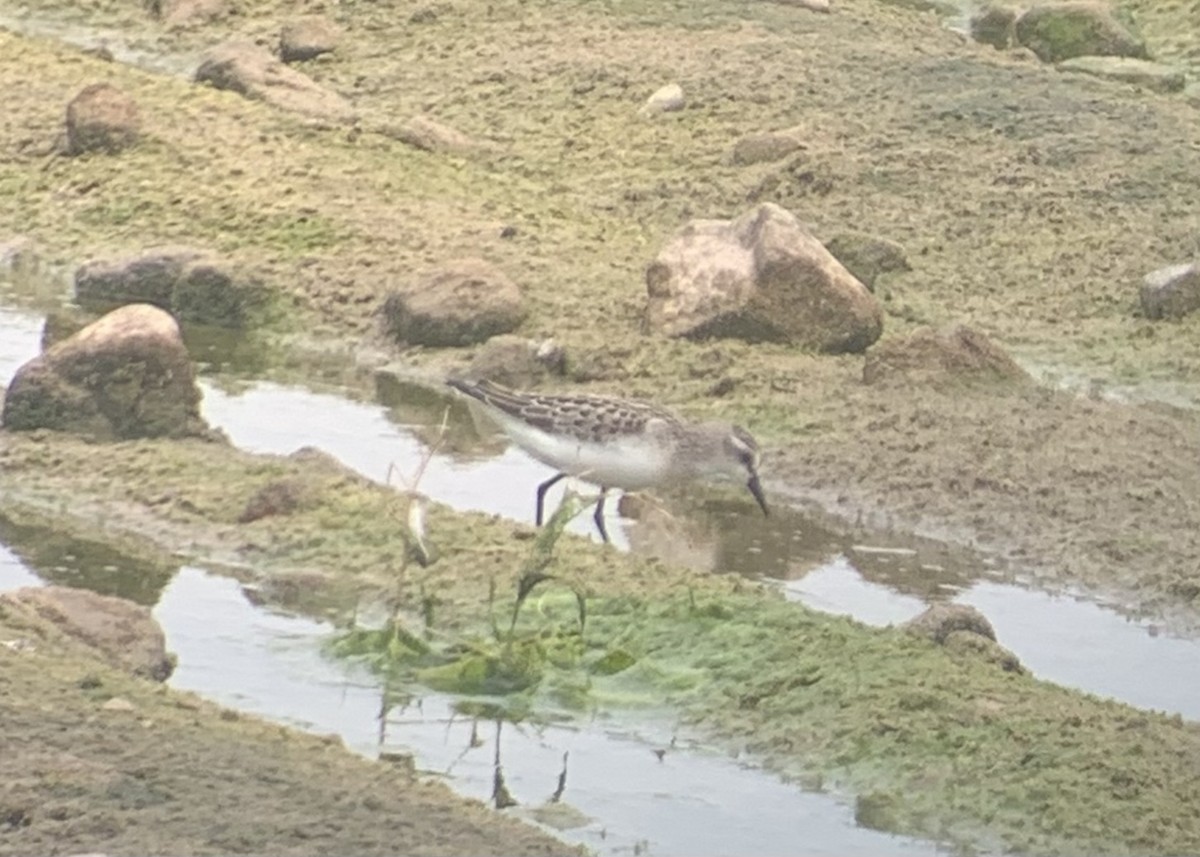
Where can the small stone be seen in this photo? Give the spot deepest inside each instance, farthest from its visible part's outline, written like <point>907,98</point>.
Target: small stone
<point>1153,76</point>
<point>810,5</point>
<point>940,620</point>
<point>946,356</point>
<point>867,256</point>
<point>995,25</point>
<point>517,362</point>
<point>118,703</point>
<point>177,13</point>
<point>308,37</point>
<point>765,146</point>
<point>464,302</point>
<point>101,118</point>
<point>1061,30</point>
<point>18,257</point>
<point>247,69</point>
<point>1171,292</point>
<point>668,99</point>
<point>425,134</point>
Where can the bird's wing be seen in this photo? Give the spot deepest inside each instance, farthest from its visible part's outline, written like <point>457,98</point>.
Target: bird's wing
<point>589,418</point>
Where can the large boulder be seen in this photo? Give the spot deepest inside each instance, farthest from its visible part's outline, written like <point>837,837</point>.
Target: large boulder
<point>127,375</point>
<point>761,277</point>
<point>950,355</point>
<point>464,302</point>
<point>193,284</point>
<point>101,118</point>
<point>245,68</point>
<point>1171,292</point>
<point>123,633</point>
<point>1059,31</point>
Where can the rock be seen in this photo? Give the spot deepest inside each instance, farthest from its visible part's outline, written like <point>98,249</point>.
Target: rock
<point>423,133</point>
<point>280,497</point>
<point>101,118</point>
<point>180,12</point>
<point>761,277</point>
<point>462,303</point>
<point>665,100</point>
<point>811,5</point>
<point>1171,292</point>
<point>1154,76</point>
<point>940,620</point>
<point>517,362</point>
<point>764,146</point>
<point>866,257</point>
<point>118,703</point>
<point>123,633</point>
<point>995,25</point>
<point>18,257</point>
<point>981,648</point>
<point>307,37</point>
<point>192,283</point>
<point>127,375</point>
<point>249,70</point>
<point>1059,31</point>
<point>63,323</point>
<point>954,354</point>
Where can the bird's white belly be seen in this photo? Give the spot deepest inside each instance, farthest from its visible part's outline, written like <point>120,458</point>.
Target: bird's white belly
<point>630,463</point>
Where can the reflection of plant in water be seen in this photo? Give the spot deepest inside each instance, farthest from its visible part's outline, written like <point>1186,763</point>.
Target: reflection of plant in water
<point>508,665</point>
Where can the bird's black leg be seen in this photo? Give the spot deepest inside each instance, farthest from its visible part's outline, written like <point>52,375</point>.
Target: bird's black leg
<point>541,494</point>
<point>599,516</point>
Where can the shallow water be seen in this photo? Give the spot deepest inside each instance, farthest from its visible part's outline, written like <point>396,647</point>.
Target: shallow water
<point>1061,638</point>
<point>693,801</point>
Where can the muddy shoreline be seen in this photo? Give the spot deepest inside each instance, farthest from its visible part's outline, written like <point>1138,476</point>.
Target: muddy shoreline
<point>1029,203</point>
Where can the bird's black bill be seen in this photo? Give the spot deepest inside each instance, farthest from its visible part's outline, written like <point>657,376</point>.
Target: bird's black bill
<point>756,490</point>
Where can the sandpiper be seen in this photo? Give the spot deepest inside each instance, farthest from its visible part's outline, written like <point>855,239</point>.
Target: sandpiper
<point>616,443</point>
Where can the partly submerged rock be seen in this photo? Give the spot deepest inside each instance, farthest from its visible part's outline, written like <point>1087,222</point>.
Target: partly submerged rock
<point>127,375</point>
<point>101,118</point>
<point>121,632</point>
<point>761,277</point>
<point>249,70</point>
<point>956,354</point>
<point>460,303</point>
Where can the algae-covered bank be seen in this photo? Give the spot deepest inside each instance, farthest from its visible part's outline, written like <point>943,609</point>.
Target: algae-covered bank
<point>1053,430</point>
<point>950,741</point>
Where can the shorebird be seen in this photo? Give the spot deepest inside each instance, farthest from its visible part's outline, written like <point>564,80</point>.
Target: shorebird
<point>616,443</point>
